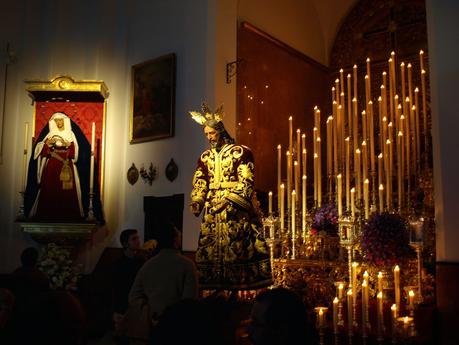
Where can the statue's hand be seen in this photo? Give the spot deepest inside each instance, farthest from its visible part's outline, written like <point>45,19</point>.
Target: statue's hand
<point>220,206</point>
<point>195,208</point>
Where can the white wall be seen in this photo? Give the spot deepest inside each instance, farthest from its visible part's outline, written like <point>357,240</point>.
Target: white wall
<point>443,35</point>
<point>101,40</point>
<point>294,22</point>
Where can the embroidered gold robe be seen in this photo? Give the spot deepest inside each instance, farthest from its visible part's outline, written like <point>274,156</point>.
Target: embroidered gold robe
<point>232,252</point>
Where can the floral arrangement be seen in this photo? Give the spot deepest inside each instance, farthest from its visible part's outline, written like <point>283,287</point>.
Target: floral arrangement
<point>325,220</point>
<point>57,264</point>
<point>385,239</point>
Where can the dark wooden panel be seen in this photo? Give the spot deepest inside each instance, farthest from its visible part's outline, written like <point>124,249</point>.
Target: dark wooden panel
<point>447,302</point>
<point>296,83</point>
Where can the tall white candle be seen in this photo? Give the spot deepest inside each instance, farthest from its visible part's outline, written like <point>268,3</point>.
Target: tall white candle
<point>293,224</point>
<point>282,208</point>
<point>93,148</point>
<point>366,198</point>
<point>279,174</point>
<point>24,160</point>
<point>270,203</point>
<point>340,194</point>
<point>304,203</point>
<point>397,286</point>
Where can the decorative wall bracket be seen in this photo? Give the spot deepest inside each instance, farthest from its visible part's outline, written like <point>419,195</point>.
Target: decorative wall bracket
<point>150,175</point>
<point>231,70</point>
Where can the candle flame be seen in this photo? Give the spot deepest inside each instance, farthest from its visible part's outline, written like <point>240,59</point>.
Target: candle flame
<point>416,90</point>
<point>352,190</point>
<point>290,118</point>
<point>335,301</point>
<point>347,139</point>
<point>368,59</point>
<point>380,273</point>
<point>339,176</point>
<point>366,181</point>
<point>341,70</point>
<point>303,135</point>
<point>411,293</point>
<point>421,52</point>
<point>355,66</point>
<point>340,286</point>
<point>379,295</point>
<point>380,156</point>
<point>381,187</point>
<point>282,186</point>
<point>298,130</point>
<point>402,64</point>
<point>349,292</point>
<point>409,65</point>
<point>279,146</point>
<point>396,268</point>
<point>394,307</point>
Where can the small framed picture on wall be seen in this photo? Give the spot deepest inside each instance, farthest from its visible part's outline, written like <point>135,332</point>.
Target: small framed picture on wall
<point>153,99</point>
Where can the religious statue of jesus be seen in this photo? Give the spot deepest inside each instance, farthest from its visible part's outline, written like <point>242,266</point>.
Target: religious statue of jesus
<point>232,253</point>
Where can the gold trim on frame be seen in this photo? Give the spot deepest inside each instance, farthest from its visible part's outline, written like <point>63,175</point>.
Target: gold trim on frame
<point>66,83</point>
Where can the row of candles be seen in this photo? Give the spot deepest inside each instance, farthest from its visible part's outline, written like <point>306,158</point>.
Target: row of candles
<point>351,301</point>
<point>385,143</point>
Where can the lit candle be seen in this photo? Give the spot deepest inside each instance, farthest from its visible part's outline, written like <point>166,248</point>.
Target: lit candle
<point>424,109</point>
<point>364,306</point>
<point>400,169</point>
<point>319,173</point>
<point>353,202</point>
<point>282,208</point>
<point>357,172</point>
<point>364,160</point>
<point>364,125</point>
<point>91,168</point>
<point>393,309</point>
<point>303,145</point>
<point>410,84</point>
<point>279,174</point>
<point>339,194</point>
<point>329,125</point>
<point>381,198</point>
<point>270,203</point>
<point>340,291</point>
<point>350,320</point>
<point>335,315</point>
<point>305,162</point>
<point>297,175</point>
<point>349,105</point>
<point>372,139</point>
<point>355,124</point>
<point>403,77</point>
<point>397,286</point>
<point>366,198</point>
<point>354,280</point>
<point>289,176</point>
<point>315,178</point>
<point>290,134</point>
<point>411,299</point>
<point>348,171</point>
<point>304,208</point>
<point>380,281</point>
<point>367,89</point>
<point>380,169</point>
<point>379,306</point>
<point>416,118</point>
<point>354,71</point>
<point>298,145</point>
<point>293,224</point>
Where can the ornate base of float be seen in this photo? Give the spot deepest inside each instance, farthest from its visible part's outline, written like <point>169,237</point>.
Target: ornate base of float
<point>314,280</point>
<point>63,234</point>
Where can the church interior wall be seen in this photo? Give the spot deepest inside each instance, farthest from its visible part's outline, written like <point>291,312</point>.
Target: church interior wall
<point>102,40</point>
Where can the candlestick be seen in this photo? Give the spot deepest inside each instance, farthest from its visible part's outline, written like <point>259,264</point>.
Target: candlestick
<point>290,134</point>
<point>353,202</point>
<point>339,195</point>
<point>381,198</point>
<point>354,280</point>
<point>329,125</point>
<point>397,286</point>
<point>349,105</point>
<point>279,174</point>
<point>335,315</point>
<point>366,198</point>
<point>380,329</point>
<point>270,203</point>
<point>364,307</point>
<point>380,281</point>
<point>305,161</point>
<point>411,300</point>
<point>340,291</point>
<point>315,178</point>
<point>296,170</point>
<point>355,124</point>
<point>400,169</point>
<point>24,157</point>
<point>91,168</point>
<point>304,208</point>
<point>357,172</point>
<point>298,145</point>
<point>424,110</point>
<point>282,209</point>
<point>416,116</point>
<point>364,160</point>
<point>348,171</point>
<point>354,71</point>
<point>319,172</point>
<point>293,221</point>
<point>364,125</point>
<point>371,130</point>
<point>394,313</point>
<point>350,308</point>
<point>289,177</point>
<point>403,77</point>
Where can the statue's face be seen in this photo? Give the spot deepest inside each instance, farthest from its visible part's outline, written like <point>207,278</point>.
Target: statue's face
<point>59,123</point>
<point>212,135</point>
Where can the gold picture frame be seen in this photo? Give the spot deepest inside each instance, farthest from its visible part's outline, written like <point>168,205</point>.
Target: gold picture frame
<point>153,99</point>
